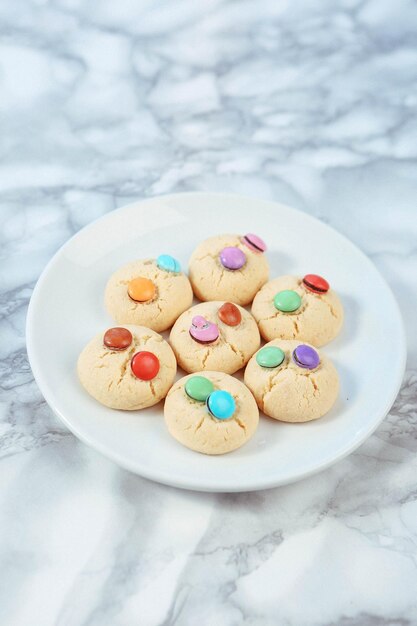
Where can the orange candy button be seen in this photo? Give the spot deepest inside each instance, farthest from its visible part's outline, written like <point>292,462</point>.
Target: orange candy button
<point>141,289</point>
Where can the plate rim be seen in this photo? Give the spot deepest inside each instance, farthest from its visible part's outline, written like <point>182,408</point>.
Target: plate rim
<point>192,484</point>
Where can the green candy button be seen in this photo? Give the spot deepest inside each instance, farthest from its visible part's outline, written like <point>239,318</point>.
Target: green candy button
<point>199,388</point>
<point>270,357</point>
<point>287,301</point>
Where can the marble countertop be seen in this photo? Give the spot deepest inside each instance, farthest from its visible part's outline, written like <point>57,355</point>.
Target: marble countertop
<point>309,102</point>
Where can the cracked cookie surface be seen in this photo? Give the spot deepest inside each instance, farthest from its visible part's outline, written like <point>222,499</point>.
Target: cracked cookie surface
<point>173,295</point>
<point>290,393</point>
<point>107,375</point>
<point>318,320</point>
<point>190,422</point>
<point>212,281</point>
<point>230,352</point>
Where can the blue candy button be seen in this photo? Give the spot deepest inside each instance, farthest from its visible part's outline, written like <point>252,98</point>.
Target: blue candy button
<point>168,263</point>
<point>221,404</point>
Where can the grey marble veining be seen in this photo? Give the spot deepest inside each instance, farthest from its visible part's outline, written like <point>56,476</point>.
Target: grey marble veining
<point>312,103</point>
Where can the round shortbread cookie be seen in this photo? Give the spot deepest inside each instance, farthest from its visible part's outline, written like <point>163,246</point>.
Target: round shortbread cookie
<point>167,293</point>
<point>107,375</point>
<point>190,422</point>
<point>229,352</point>
<point>288,392</point>
<point>211,280</point>
<point>318,319</point>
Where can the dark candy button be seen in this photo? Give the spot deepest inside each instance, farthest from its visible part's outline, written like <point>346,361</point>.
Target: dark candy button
<point>229,314</point>
<point>316,283</point>
<point>145,365</point>
<point>117,338</point>
<point>305,356</point>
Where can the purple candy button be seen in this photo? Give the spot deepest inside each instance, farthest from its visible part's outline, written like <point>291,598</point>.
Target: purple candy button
<point>306,357</point>
<point>232,258</point>
<point>254,242</point>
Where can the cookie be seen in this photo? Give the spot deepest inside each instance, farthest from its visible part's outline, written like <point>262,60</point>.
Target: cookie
<point>306,309</point>
<point>292,381</point>
<point>129,367</point>
<point>229,267</point>
<point>218,336</point>
<point>211,412</point>
<point>150,292</point>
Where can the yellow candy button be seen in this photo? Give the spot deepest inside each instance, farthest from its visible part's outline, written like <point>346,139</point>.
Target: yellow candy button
<point>141,289</point>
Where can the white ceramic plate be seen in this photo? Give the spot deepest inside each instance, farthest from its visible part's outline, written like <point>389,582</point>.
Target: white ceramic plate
<point>67,309</point>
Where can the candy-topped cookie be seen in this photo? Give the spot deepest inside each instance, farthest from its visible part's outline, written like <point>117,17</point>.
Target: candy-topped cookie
<point>149,292</point>
<point>216,335</point>
<point>291,307</point>
<point>292,381</point>
<point>229,267</point>
<point>211,412</point>
<point>127,367</point>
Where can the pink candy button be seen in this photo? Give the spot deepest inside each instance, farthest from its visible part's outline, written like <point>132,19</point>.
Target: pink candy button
<point>202,330</point>
<point>254,242</point>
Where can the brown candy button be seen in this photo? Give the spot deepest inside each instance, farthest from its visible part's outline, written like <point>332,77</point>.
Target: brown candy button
<point>229,314</point>
<point>117,338</point>
<point>141,289</point>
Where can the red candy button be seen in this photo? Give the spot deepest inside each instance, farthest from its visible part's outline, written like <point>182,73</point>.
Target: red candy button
<point>117,338</point>
<point>315,283</point>
<point>145,365</point>
<point>229,314</point>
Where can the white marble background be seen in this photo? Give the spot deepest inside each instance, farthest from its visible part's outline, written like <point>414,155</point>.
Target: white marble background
<point>310,102</point>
